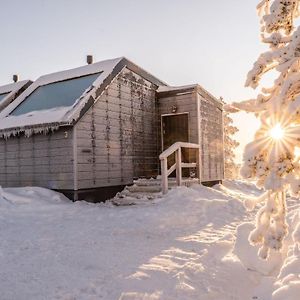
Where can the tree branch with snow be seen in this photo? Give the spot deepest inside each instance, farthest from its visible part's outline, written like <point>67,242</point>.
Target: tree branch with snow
<point>272,157</point>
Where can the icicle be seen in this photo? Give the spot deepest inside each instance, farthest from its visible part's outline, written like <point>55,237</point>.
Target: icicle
<point>6,134</point>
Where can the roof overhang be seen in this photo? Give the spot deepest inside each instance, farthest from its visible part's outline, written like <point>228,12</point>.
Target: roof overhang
<point>169,91</point>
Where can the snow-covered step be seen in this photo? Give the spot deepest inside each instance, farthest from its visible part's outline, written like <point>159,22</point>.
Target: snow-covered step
<point>185,181</point>
<point>172,182</point>
<point>133,195</point>
<point>147,182</point>
<point>144,190</point>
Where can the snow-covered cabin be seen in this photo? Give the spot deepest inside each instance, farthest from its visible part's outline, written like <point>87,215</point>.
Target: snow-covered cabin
<point>94,129</point>
<point>10,92</point>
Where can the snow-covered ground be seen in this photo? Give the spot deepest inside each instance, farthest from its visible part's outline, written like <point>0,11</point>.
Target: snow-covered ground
<point>182,246</point>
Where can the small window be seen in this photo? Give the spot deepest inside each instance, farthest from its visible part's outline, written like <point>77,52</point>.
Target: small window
<point>57,94</point>
<point>2,96</point>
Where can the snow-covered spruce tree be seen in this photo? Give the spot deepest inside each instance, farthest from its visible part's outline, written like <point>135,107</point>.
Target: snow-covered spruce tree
<point>230,145</point>
<point>271,157</point>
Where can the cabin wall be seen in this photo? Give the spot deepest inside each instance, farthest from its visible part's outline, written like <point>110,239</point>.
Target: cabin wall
<point>185,103</point>
<point>209,132</point>
<point>38,160</point>
<point>117,139</point>
<point>212,152</point>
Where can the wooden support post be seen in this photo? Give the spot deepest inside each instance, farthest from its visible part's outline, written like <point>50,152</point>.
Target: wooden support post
<point>164,175</point>
<point>178,167</point>
<point>176,148</point>
<point>199,133</point>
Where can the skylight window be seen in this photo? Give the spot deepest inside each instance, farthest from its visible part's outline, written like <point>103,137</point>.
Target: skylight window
<point>54,95</point>
<point>2,96</point>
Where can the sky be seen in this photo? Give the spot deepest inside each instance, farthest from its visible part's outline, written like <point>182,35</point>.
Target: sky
<point>213,43</point>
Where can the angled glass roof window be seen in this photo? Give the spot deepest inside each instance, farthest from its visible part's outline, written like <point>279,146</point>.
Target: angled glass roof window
<point>2,96</point>
<point>56,94</point>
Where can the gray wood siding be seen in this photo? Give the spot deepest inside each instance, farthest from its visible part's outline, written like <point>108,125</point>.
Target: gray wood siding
<point>212,155</point>
<point>184,103</point>
<point>211,129</point>
<point>117,137</point>
<point>39,160</point>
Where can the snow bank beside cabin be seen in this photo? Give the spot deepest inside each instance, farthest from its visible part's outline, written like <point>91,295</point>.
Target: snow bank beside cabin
<point>31,196</point>
<point>176,247</point>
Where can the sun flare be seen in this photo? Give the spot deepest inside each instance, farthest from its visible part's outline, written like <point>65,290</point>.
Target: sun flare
<point>277,133</point>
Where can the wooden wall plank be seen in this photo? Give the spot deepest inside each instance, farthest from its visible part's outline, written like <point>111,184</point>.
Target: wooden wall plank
<point>118,137</point>
<point>40,160</point>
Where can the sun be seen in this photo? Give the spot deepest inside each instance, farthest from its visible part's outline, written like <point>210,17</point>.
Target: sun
<point>277,133</point>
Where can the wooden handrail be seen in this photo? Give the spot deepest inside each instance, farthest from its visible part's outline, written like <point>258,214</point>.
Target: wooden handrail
<point>165,172</point>
<point>175,147</point>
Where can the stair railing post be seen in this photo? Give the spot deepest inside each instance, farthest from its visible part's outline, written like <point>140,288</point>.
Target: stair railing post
<point>178,167</point>
<point>164,175</point>
<point>198,158</point>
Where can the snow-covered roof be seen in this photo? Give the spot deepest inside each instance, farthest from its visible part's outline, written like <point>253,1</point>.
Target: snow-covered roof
<point>163,88</point>
<point>166,90</point>
<point>44,120</point>
<point>8,92</point>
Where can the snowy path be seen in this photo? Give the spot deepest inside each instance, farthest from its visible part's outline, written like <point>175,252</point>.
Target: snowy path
<point>175,248</point>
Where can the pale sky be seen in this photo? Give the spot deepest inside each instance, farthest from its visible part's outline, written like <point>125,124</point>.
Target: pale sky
<point>213,43</point>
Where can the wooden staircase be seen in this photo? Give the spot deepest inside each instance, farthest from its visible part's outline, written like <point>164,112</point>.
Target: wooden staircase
<point>145,190</point>
<point>179,164</point>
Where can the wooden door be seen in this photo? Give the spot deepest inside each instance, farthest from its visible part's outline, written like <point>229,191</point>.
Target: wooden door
<point>175,128</point>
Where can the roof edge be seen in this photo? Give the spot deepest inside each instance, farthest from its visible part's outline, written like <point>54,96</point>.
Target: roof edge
<point>164,91</point>
<point>12,87</point>
<point>18,89</point>
<point>142,72</point>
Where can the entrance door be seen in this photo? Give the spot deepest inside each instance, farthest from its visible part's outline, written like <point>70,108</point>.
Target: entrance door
<point>175,128</point>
